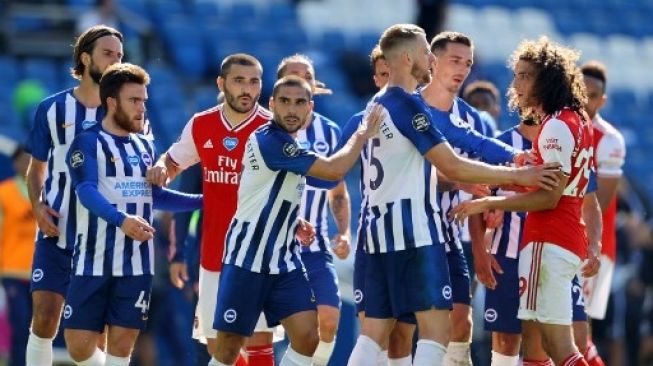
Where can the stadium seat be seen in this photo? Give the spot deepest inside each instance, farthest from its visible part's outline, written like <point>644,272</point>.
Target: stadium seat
<point>332,41</point>
<point>44,70</point>
<point>590,46</point>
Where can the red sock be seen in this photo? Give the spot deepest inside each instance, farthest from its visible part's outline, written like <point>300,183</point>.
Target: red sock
<point>260,355</point>
<point>537,363</point>
<point>592,355</point>
<point>241,361</point>
<point>574,359</point>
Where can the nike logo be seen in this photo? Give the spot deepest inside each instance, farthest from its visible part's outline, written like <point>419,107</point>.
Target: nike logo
<point>66,125</point>
<point>114,159</point>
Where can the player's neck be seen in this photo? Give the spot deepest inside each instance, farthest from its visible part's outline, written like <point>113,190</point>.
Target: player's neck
<point>309,120</point>
<point>110,126</point>
<point>88,92</point>
<point>529,132</point>
<point>438,96</point>
<point>233,117</point>
<point>405,81</point>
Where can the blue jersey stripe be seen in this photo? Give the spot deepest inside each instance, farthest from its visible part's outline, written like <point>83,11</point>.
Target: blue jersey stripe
<point>141,164</point>
<point>60,116</point>
<point>274,233</point>
<point>71,224</point>
<point>291,227</point>
<point>110,246</point>
<point>128,269</point>
<point>230,232</point>
<point>58,200</point>
<point>387,227</point>
<point>124,157</point>
<point>374,229</point>
<point>263,219</point>
<point>321,209</point>
<point>145,246</point>
<point>76,251</point>
<point>430,212</point>
<point>91,236</point>
<point>310,197</point>
<point>407,220</point>
<point>239,240</point>
<point>110,166</point>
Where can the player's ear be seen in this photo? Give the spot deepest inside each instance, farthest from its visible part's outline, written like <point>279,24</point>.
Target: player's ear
<point>86,58</point>
<point>112,103</point>
<point>271,103</point>
<point>220,82</point>
<point>604,98</point>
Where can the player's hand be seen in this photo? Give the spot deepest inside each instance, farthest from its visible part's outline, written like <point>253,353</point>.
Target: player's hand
<point>523,158</point>
<point>178,274</point>
<point>372,122</point>
<point>485,266</point>
<point>340,244</point>
<point>493,218</point>
<point>544,176</point>
<point>157,175</point>
<point>44,215</point>
<point>137,228</point>
<point>305,233</point>
<point>480,190</point>
<point>593,261</point>
<point>467,208</point>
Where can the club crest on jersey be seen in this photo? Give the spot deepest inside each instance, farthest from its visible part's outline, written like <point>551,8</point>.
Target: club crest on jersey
<point>358,296</point>
<point>230,143</point>
<point>67,312</point>
<point>133,160</point>
<point>37,275</point>
<point>421,122</point>
<point>446,292</point>
<point>147,159</point>
<point>321,147</point>
<point>88,124</point>
<point>230,315</point>
<point>76,159</point>
<point>491,315</point>
<point>290,149</point>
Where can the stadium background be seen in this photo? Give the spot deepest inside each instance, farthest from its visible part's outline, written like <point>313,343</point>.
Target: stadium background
<point>181,43</point>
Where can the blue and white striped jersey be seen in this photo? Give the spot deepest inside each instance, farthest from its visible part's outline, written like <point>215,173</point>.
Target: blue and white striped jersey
<point>506,239</point>
<point>261,237</point>
<point>58,119</point>
<point>117,165</point>
<point>462,131</point>
<point>399,186</point>
<point>321,137</point>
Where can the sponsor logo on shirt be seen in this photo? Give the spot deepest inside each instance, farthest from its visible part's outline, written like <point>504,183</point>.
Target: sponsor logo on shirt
<point>229,143</point>
<point>133,160</point>
<point>133,189</point>
<point>552,144</point>
<point>88,124</point>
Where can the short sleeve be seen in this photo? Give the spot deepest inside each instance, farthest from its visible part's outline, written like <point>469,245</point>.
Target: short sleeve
<point>82,159</point>
<point>610,155</point>
<point>414,120</point>
<point>283,153</point>
<point>39,141</point>
<point>184,152</point>
<point>556,144</point>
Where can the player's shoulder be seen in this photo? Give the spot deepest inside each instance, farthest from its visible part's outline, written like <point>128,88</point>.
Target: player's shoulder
<point>608,130</point>
<point>507,135</point>
<point>325,121</point>
<point>58,97</point>
<point>207,113</point>
<point>466,108</point>
<point>262,113</point>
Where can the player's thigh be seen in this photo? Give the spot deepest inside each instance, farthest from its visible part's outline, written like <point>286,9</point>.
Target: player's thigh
<point>459,275</point>
<point>130,302</point>
<point>545,273</point>
<point>322,277</point>
<point>87,303</point>
<point>502,303</point>
<point>359,281</point>
<point>51,267</point>
<point>290,294</point>
<point>206,303</point>
<point>241,297</point>
<point>81,344</point>
<point>121,340</point>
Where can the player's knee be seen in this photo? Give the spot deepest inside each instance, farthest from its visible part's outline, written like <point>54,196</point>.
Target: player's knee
<point>227,347</point>
<point>45,320</point>
<point>400,344</point>
<point>79,348</point>
<point>328,327</point>
<point>306,341</point>
<point>505,343</point>
<point>461,326</point>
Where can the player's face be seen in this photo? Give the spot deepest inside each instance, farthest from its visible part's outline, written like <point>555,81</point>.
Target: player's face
<point>302,70</point>
<point>595,96</point>
<point>130,107</point>
<point>291,107</point>
<point>107,51</point>
<point>452,66</point>
<point>422,60</point>
<point>381,73</point>
<point>523,84</point>
<point>241,87</point>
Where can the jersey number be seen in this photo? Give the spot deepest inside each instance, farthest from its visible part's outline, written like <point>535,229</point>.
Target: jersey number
<point>582,161</point>
<point>142,303</point>
<point>376,183</point>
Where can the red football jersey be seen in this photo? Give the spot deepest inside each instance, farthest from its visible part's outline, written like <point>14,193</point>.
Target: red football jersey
<point>219,147</point>
<point>610,153</point>
<point>565,138</point>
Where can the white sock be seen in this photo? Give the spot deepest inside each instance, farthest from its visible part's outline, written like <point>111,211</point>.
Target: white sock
<point>323,353</point>
<point>365,352</point>
<point>292,358</point>
<point>382,360</point>
<point>499,359</point>
<point>38,351</point>
<point>98,358</point>
<point>429,353</point>
<point>404,361</point>
<point>458,354</point>
<point>117,361</point>
<point>214,362</point>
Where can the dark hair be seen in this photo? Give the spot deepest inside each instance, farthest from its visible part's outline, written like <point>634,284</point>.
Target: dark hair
<point>376,55</point>
<point>481,86</point>
<point>241,59</point>
<point>441,40</point>
<point>558,82</point>
<point>296,58</point>
<point>395,36</point>
<point>596,70</point>
<point>117,75</point>
<point>85,43</point>
<point>292,80</point>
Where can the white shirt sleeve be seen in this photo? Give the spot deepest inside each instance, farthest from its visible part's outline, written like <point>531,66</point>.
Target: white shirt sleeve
<point>184,152</point>
<point>556,144</point>
<point>610,155</point>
